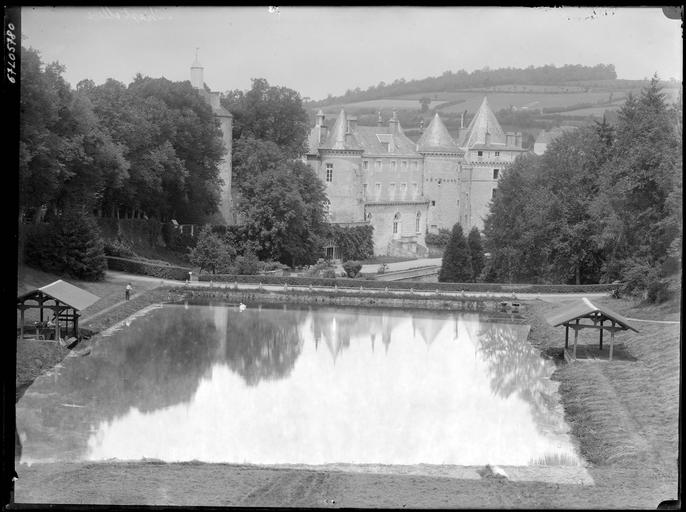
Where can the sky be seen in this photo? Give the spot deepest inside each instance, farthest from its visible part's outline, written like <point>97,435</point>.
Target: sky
<point>326,50</point>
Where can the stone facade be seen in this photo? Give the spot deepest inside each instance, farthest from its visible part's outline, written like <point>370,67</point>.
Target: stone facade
<point>377,175</point>
<point>226,210</point>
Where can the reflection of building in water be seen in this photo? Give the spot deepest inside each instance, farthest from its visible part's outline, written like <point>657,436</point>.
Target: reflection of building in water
<point>427,328</point>
<point>335,329</point>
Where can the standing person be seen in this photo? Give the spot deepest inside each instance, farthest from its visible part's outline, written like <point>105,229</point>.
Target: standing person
<point>128,291</point>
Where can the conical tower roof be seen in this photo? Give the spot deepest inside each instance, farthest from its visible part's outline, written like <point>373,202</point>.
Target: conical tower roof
<point>436,137</point>
<point>339,138</point>
<point>484,122</point>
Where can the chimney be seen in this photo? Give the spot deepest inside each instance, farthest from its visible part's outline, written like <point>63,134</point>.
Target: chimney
<point>462,120</point>
<point>320,118</point>
<point>196,72</point>
<point>379,120</point>
<point>393,123</point>
<point>421,126</point>
<point>488,138</point>
<point>352,123</point>
<point>322,133</point>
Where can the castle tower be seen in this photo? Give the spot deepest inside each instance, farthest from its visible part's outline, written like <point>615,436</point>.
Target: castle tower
<point>442,158</point>
<point>226,210</point>
<point>488,152</point>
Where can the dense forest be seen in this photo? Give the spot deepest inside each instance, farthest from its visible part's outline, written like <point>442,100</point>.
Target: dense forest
<point>480,78</point>
<point>603,203</point>
<point>149,149</point>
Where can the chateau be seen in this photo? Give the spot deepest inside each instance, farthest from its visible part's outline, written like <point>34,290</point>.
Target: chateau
<point>377,175</point>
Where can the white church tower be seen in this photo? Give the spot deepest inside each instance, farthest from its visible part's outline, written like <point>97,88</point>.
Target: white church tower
<point>225,118</point>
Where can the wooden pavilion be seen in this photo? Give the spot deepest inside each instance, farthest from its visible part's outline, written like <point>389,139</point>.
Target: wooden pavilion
<point>600,318</point>
<point>64,300</point>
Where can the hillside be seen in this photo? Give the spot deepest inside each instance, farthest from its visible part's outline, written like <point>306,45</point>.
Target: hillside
<point>525,108</point>
<point>527,100</point>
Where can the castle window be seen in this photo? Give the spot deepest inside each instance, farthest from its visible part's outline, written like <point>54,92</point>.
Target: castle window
<point>403,165</point>
<point>497,153</point>
<point>392,165</point>
<point>396,224</point>
<point>433,203</point>
<point>377,189</point>
<point>364,191</point>
<point>480,153</point>
<point>495,173</point>
<point>391,193</point>
<point>418,222</point>
<point>493,193</point>
<point>377,164</point>
<point>415,189</point>
<point>365,164</point>
<point>415,165</point>
<point>403,189</point>
<point>329,172</point>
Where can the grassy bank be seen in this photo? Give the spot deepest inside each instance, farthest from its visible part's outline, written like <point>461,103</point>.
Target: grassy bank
<point>35,357</point>
<point>623,413</point>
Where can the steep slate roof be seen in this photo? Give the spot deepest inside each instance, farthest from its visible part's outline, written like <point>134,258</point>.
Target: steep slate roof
<point>370,139</point>
<point>71,295</point>
<point>437,138</point>
<point>584,308</point>
<point>483,122</point>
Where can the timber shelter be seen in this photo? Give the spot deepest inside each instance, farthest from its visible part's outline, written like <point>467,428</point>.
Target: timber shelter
<point>64,300</point>
<point>600,318</point>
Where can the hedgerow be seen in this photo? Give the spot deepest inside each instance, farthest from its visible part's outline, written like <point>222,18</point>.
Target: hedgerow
<point>147,269</point>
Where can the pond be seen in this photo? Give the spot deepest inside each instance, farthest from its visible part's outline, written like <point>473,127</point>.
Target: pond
<point>299,385</point>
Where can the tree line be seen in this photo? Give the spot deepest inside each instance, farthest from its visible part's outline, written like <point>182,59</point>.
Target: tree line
<point>603,203</point>
<point>149,149</point>
<point>453,81</point>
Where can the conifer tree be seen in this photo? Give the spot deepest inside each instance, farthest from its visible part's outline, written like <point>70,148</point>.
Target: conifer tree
<point>79,249</point>
<point>456,266</point>
<point>476,251</point>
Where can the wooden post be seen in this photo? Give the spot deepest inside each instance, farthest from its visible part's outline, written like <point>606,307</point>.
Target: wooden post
<point>21,327</point>
<point>576,336</point>
<point>612,338</point>
<point>601,334</point>
<point>566,335</point>
<point>76,324</point>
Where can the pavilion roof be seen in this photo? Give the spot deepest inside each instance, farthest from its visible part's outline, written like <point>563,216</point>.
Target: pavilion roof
<point>71,295</point>
<point>584,308</point>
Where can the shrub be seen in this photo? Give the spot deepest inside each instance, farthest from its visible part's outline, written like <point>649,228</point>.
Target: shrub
<point>118,248</point>
<point>354,242</point>
<point>211,252</point>
<point>246,264</point>
<point>439,239</point>
<point>352,268</point>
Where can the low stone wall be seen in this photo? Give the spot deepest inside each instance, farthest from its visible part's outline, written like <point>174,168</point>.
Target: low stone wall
<point>357,298</point>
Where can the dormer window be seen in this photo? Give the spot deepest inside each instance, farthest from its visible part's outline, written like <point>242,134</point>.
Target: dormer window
<point>480,153</point>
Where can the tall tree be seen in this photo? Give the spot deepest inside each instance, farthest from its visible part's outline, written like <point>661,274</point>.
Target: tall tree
<point>476,252</point>
<point>456,266</point>
<point>281,200</point>
<point>270,113</point>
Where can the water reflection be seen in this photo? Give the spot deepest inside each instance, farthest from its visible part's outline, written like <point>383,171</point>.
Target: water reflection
<point>299,386</point>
